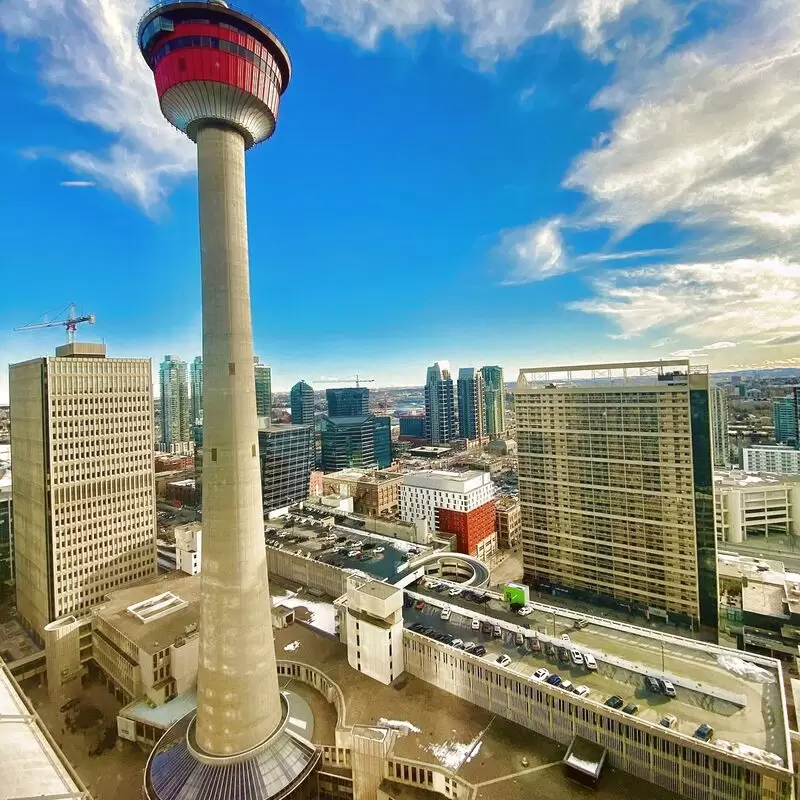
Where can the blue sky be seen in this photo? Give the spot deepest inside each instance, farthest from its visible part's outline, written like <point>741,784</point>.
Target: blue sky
<point>518,182</point>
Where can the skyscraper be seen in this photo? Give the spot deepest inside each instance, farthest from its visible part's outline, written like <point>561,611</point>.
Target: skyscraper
<point>615,485</point>
<point>196,400</point>
<point>286,453</point>
<point>174,401</point>
<point>471,404</point>
<point>720,438</point>
<point>439,409</point>
<point>383,441</point>
<point>784,418</point>
<point>222,89</point>
<point>263,379</point>
<point>301,400</point>
<point>84,486</point>
<point>348,442</point>
<point>349,402</point>
<point>494,394</point>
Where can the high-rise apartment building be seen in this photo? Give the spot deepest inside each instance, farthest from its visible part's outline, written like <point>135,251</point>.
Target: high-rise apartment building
<point>301,401</point>
<point>440,425</point>
<point>83,490</point>
<point>196,399</point>
<point>263,377</point>
<point>471,404</point>
<point>720,438</point>
<point>174,402</point>
<point>615,484</point>
<point>771,458</point>
<point>785,418</point>
<point>349,402</point>
<point>494,397</point>
<point>286,453</point>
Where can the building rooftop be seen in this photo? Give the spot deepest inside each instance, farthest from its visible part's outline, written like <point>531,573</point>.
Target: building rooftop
<point>447,481</point>
<point>155,612</point>
<point>376,477</point>
<point>383,591</point>
<point>31,764</point>
<point>504,503</point>
<point>725,479</point>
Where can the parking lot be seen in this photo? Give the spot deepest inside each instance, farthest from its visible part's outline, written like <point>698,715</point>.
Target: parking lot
<point>754,724</point>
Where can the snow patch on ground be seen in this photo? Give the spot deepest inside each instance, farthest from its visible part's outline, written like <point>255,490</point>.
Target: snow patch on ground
<point>745,669</point>
<point>323,615</point>
<point>292,645</point>
<point>399,724</point>
<point>452,754</point>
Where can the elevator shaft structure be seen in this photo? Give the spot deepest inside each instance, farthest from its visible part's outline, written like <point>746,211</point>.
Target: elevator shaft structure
<point>219,76</point>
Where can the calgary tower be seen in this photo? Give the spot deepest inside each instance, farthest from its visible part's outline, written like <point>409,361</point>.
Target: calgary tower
<point>219,76</point>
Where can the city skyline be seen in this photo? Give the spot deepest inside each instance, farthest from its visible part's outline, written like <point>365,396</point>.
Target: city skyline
<point>553,236</point>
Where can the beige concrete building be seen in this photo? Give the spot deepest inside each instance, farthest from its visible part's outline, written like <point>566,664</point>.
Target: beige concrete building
<point>375,493</point>
<point>83,492</point>
<point>616,487</point>
<point>509,522</point>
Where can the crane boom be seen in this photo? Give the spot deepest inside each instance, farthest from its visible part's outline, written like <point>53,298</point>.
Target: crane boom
<point>70,323</point>
<point>358,379</point>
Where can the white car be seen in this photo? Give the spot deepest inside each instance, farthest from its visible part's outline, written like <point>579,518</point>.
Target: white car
<point>577,657</point>
<point>445,614</point>
<point>565,638</point>
<point>524,611</point>
<point>378,550</point>
<point>476,625</point>
<point>588,659</point>
<point>541,674</point>
<point>503,660</point>
<point>581,691</point>
<point>454,592</point>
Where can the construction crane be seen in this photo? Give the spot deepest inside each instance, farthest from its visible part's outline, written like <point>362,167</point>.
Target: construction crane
<point>70,323</point>
<point>358,379</point>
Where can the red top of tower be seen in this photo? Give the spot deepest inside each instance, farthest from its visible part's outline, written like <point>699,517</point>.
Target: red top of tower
<point>214,64</point>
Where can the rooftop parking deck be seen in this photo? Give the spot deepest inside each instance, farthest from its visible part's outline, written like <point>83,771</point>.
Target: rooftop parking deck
<point>740,710</point>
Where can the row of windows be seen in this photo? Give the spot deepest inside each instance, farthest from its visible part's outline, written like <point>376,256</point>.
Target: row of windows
<point>213,43</point>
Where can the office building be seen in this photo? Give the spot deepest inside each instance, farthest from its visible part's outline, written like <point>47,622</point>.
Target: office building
<point>440,424</point>
<point>240,716</point>
<point>769,458</point>
<point>720,438</point>
<point>301,400</point>
<point>174,404</point>
<point>784,418</point>
<point>349,402</point>
<point>494,392</point>
<point>751,506</point>
<point>412,426</point>
<point>471,404</point>
<point>509,522</point>
<point>383,441</point>
<point>348,442</point>
<point>83,489</point>
<point>374,493</point>
<point>460,503</point>
<point>196,399</point>
<point>263,380</point>
<point>286,453</point>
<point>615,484</point>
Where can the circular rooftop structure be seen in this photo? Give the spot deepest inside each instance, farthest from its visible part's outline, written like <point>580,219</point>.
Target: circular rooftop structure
<point>213,64</point>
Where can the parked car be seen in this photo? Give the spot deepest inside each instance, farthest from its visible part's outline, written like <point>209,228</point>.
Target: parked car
<point>581,623</point>
<point>549,649</point>
<point>652,684</point>
<point>554,680</point>
<point>496,632</point>
<point>615,701</point>
<point>534,645</point>
<point>378,550</point>
<point>577,658</point>
<point>581,691</point>
<point>475,625</point>
<point>704,732</point>
<point>486,627</point>
<point>445,613</point>
<point>566,686</point>
<point>480,650</point>
<point>565,638</point>
<point>419,605</point>
<point>631,709</point>
<point>563,655</point>
<point>519,638</point>
<point>469,647</point>
<point>541,674</point>
<point>667,688</point>
<point>418,627</point>
<point>669,720</point>
<point>352,553</point>
<point>503,660</point>
<point>588,659</point>
<point>458,643</point>
<point>524,611</point>
<point>454,592</point>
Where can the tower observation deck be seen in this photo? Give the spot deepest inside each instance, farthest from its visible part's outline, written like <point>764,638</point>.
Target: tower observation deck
<point>219,76</point>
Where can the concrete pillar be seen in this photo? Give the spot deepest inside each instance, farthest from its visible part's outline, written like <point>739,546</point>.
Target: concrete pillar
<point>63,659</point>
<point>735,515</point>
<point>238,704</point>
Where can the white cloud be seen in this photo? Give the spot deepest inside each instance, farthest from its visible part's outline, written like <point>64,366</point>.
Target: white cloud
<point>77,184</point>
<point>535,252</point>
<point>91,67</point>
<point>494,29</point>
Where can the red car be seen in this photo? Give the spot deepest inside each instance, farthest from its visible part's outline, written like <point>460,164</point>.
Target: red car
<point>419,605</point>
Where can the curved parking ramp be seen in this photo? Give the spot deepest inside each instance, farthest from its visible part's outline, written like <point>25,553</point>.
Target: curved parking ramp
<point>584,761</point>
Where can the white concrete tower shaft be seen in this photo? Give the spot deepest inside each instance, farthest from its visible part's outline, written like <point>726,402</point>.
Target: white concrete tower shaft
<point>238,704</point>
